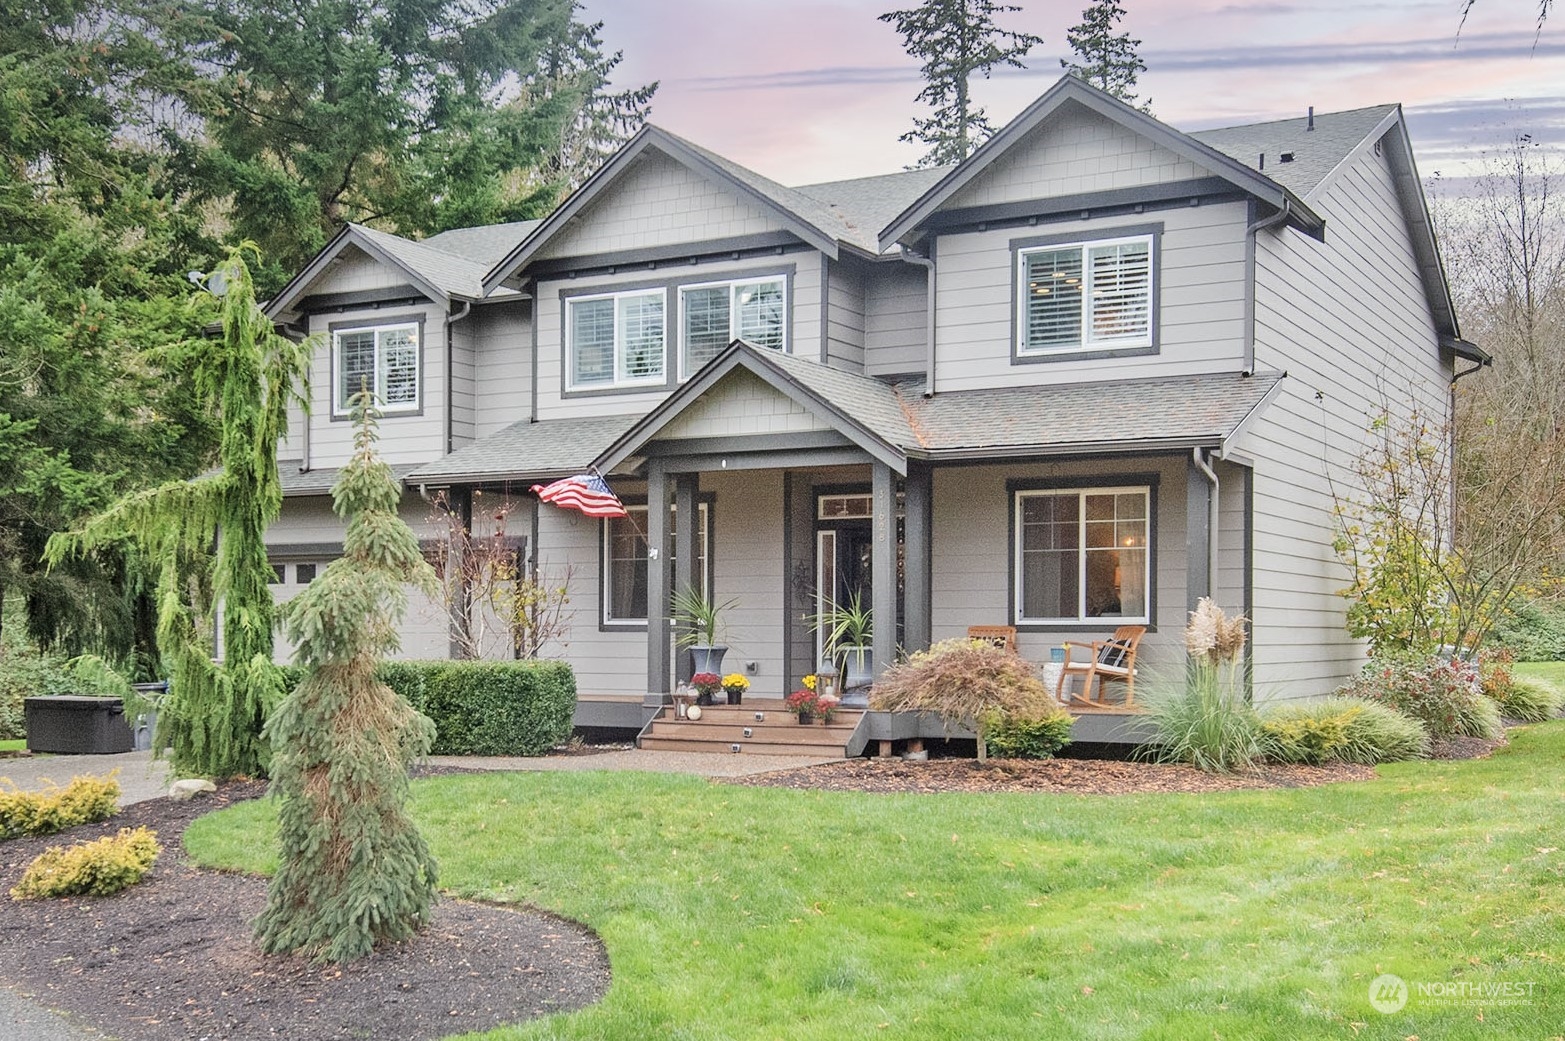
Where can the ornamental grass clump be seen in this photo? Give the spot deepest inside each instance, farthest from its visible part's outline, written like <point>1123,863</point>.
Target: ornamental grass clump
<point>354,871</point>
<point>964,682</point>
<point>1441,693</point>
<point>85,800</point>
<point>1522,698</point>
<point>96,868</point>
<point>1344,730</point>
<point>1204,718</point>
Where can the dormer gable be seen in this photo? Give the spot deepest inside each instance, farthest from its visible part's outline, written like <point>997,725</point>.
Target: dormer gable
<point>1031,159</point>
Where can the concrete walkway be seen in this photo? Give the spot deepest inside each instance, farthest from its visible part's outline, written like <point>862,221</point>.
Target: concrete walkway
<point>22,1019</point>
<point>141,777</point>
<point>702,764</point>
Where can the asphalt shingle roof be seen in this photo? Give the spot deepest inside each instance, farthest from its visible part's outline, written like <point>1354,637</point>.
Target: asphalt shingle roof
<point>1315,152</point>
<point>485,245</point>
<point>448,272</point>
<point>873,403</point>
<point>1102,416</point>
<point>319,482</point>
<point>548,448</point>
<point>864,205</point>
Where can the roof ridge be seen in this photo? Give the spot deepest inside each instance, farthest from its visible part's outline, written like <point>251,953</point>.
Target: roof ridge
<point>1383,107</point>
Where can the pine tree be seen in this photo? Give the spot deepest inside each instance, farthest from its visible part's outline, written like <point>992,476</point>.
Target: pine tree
<point>213,715</point>
<point>955,38</point>
<point>355,871</point>
<point>604,119</point>
<point>1104,58</point>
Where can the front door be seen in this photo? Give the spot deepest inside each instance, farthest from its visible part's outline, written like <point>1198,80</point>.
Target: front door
<point>842,571</point>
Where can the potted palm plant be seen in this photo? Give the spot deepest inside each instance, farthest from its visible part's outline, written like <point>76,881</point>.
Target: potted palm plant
<point>699,619</point>
<point>849,630</point>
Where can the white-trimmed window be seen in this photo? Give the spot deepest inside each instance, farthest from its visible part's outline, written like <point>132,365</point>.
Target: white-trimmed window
<point>382,358</point>
<point>625,562</point>
<point>1085,296</point>
<point>616,339</point>
<point>1082,553</point>
<point>714,315</point>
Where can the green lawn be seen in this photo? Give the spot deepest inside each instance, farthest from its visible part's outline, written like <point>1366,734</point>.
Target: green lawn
<point>739,913</point>
<point>1553,671</point>
<point>15,745</point>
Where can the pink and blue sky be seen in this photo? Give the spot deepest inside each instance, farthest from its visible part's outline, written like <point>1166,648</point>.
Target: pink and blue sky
<point>817,90</point>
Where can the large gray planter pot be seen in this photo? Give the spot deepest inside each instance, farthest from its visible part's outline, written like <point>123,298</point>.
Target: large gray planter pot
<point>707,659</point>
<point>858,672</point>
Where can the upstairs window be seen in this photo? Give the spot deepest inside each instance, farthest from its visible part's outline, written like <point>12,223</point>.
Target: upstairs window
<point>616,340</point>
<point>713,316</point>
<point>1083,296</point>
<point>384,359</point>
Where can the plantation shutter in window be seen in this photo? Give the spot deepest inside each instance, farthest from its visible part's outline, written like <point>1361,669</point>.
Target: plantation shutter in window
<point>760,307</point>
<point>643,326</point>
<point>592,341</point>
<point>399,367</point>
<point>356,365</point>
<point>1121,291</point>
<point>1054,294</point>
<point>706,325</point>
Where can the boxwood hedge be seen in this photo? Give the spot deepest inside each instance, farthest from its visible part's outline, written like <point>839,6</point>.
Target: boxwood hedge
<point>485,707</point>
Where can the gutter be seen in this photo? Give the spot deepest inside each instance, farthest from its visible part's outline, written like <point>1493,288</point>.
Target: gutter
<point>452,319</point>
<point>1278,218</point>
<point>1214,505</point>
<point>928,264</point>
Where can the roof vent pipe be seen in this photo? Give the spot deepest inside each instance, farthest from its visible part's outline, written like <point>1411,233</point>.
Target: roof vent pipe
<point>1311,124</point>
<point>1263,161</point>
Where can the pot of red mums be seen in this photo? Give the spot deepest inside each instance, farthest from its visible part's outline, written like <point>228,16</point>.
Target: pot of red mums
<point>706,685</point>
<point>803,702</point>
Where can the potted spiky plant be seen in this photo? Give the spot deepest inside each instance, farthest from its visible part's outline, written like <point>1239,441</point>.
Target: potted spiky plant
<point>699,619</point>
<point>848,630</point>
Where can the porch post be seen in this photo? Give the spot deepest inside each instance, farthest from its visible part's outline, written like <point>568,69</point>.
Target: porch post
<point>658,575</point>
<point>1198,502</point>
<point>916,544</point>
<point>883,564</point>
<point>687,574</point>
<point>460,504</point>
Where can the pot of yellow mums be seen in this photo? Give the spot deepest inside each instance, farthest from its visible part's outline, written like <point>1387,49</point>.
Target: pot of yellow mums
<point>734,685</point>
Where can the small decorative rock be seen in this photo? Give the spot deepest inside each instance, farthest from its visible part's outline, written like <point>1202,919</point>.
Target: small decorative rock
<point>185,790</point>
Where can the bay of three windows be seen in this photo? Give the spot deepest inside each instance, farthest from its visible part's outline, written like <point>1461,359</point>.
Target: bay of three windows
<point>621,339</point>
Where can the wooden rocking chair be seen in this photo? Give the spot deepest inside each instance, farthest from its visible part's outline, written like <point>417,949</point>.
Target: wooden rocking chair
<point>1111,659</point>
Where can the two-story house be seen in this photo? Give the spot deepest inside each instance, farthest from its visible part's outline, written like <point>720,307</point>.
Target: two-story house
<point>1098,370</point>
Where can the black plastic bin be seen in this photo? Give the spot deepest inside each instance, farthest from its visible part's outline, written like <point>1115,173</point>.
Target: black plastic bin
<point>76,725</point>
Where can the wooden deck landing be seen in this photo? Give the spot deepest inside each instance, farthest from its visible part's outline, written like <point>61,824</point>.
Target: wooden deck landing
<point>760,726</point>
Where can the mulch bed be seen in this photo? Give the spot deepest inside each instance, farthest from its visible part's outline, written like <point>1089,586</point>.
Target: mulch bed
<point>1464,747</point>
<point>172,958</point>
<point>1065,776</point>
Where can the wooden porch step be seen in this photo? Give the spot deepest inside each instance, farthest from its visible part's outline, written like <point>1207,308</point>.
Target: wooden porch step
<point>721,729</point>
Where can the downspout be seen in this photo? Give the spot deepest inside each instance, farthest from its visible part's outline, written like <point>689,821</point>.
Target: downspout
<point>452,319</point>
<point>1213,508</point>
<point>1280,217</point>
<point>928,264</point>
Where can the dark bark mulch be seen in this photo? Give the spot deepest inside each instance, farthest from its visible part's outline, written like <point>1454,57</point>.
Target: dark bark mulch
<point>171,958</point>
<point>1464,747</point>
<point>1065,776</point>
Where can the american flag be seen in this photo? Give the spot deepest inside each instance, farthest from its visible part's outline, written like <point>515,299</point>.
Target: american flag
<point>584,492</point>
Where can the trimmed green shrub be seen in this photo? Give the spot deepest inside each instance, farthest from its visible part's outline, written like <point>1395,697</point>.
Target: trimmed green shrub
<point>1035,732</point>
<point>98,868</point>
<point>1443,694</point>
<point>1204,722</point>
<point>1340,729</point>
<point>1530,700</point>
<point>84,801</point>
<point>484,707</point>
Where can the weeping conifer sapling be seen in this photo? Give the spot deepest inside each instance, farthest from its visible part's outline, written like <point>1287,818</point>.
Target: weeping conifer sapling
<point>354,870</point>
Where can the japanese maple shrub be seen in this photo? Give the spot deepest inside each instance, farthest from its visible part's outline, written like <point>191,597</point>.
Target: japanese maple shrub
<point>354,871</point>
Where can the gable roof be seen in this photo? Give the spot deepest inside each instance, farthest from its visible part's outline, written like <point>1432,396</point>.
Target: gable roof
<point>864,205</point>
<point>802,215</point>
<point>526,450</point>
<point>864,409</point>
<point>450,268</point>
<point>1070,90</point>
<point>486,244</point>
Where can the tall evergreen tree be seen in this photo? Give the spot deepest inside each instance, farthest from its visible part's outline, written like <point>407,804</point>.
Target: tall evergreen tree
<point>955,39</point>
<point>213,716</point>
<point>415,116</point>
<point>1104,58</point>
<point>355,871</point>
<point>92,253</point>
